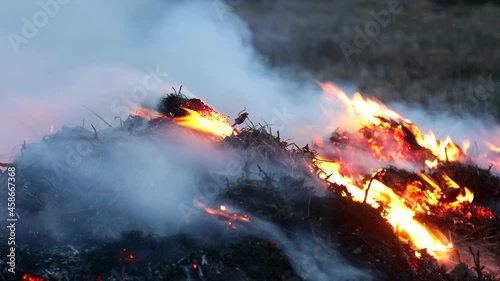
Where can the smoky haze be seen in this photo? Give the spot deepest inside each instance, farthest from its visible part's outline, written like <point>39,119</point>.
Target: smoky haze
<point>114,55</point>
<point>109,56</point>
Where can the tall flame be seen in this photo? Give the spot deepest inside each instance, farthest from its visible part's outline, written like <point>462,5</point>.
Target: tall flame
<point>372,110</point>
<point>396,212</point>
<point>383,130</point>
<point>492,147</point>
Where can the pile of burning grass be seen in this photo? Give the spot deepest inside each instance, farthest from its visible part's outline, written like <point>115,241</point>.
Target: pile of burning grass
<point>265,191</point>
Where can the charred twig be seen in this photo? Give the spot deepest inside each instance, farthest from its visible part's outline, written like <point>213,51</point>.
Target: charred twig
<point>23,147</point>
<point>262,171</point>
<point>477,264</point>
<point>376,175</point>
<point>95,131</point>
<point>99,117</point>
<point>119,118</point>
<point>242,116</point>
<point>253,126</point>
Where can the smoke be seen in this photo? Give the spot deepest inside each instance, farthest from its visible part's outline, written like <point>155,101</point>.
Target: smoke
<point>98,188</point>
<point>465,129</point>
<point>313,256</point>
<point>111,56</point>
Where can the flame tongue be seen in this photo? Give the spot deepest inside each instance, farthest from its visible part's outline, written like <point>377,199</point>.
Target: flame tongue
<point>388,136</point>
<point>208,122</point>
<point>212,123</point>
<point>396,212</point>
<point>380,123</point>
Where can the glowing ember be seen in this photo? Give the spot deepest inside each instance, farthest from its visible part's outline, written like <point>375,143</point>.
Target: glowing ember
<point>29,277</point>
<point>432,164</point>
<point>212,123</point>
<point>127,256</point>
<point>223,212</point>
<point>146,113</point>
<point>465,146</point>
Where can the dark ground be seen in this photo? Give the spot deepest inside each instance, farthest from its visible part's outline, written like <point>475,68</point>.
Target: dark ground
<point>432,53</point>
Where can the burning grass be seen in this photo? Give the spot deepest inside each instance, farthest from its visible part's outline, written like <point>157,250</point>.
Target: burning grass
<point>389,222</point>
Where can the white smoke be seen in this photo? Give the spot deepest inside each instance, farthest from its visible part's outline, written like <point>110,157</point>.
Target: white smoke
<point>111,55</point>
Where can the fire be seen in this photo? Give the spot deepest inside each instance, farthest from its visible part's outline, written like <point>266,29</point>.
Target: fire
<point>396,211</point>
<point>492,147</point>
<point>431,164</point>
<point>464,195</point>
<point>210,122</point>
<point>465,146</point>
<point>223,212</point>
<point>378,119</point>
<point>387,136</point>
<point>29,277</point>
<point>146,113</point>
<point>127,256</point>
<point>213,123</point>
<point>369,108</point>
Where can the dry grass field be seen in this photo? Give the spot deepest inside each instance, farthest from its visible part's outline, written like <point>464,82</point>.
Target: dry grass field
<point>445,56</point>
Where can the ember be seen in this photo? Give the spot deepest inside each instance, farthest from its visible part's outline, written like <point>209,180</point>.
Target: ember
<point>224,213</point>
<point>390,215</point>
<point>127,256</point>
<point>29,277</point>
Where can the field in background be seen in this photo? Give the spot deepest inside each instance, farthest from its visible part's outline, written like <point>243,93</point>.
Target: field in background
<point>429,53</point>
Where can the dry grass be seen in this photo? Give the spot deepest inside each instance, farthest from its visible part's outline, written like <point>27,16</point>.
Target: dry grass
<point>428,53</point>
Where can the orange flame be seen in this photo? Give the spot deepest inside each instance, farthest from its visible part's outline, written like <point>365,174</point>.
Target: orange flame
<point>224,213</point>
<point>214,123</point>
<point>146,113</point>
<point>397,213</point>
<point>29,277</point>
<point>465,194</point>
<point>383,130</point>
<point>492,147</point>
<point>371,110</point>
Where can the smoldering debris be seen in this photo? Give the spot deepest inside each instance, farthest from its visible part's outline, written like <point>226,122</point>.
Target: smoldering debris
<point>267,217</point>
